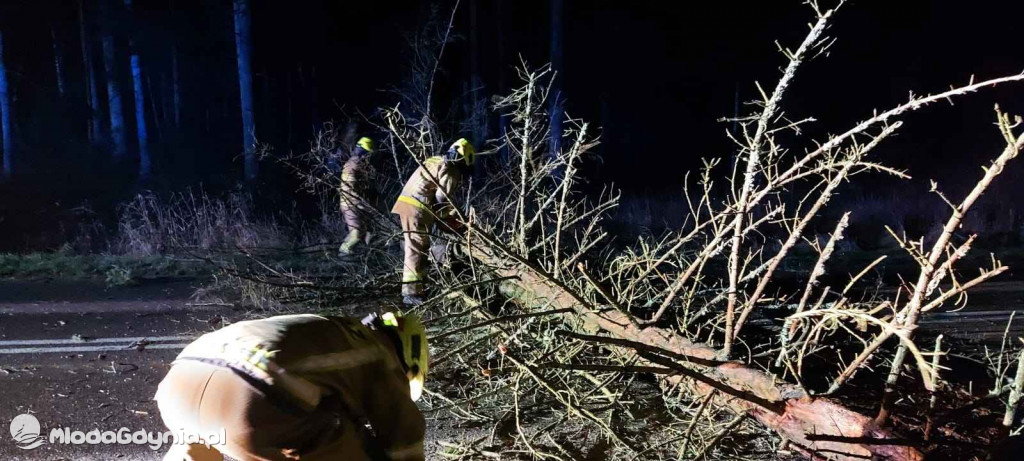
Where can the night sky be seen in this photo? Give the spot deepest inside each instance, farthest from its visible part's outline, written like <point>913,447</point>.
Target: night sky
<point>656,75</point>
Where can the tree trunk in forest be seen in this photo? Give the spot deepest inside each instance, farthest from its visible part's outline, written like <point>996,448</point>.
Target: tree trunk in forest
<point>118,137</point>
<point>92,95</point>
<point>176,85</point>
<point>817,425</point>
<point>6,117</point>
<point>145,163</point>
<point>555,98</point>
<point>243,48</point>
<point>158,119</point>
<point>166,101</point>
<point>58,62</point>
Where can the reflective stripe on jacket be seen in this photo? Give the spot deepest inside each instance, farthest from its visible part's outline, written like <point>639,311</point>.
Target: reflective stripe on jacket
<point>310,357</point>
<point>429,188</point>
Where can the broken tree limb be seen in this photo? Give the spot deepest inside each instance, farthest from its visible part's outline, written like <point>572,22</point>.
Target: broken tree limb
<point>1015,393</point>
<point>796,417</point>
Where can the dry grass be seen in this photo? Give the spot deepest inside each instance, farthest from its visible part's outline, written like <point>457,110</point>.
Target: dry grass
<point>148,225</point>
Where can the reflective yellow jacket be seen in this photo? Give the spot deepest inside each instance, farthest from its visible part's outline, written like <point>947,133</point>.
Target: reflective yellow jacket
<point>429,189</point>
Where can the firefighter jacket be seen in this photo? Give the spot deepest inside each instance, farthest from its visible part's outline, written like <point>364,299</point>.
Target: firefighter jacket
<point>430,188</point>
<point>355,181</point>
<point>309,358</point>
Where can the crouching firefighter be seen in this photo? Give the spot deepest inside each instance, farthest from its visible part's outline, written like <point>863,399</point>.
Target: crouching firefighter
<point>426,199</point>
<point>353,191</point>
<point>301,387</point>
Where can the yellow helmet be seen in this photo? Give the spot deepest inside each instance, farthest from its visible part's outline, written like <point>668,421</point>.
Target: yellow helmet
<point>366,144</point>
<point>463,150</point>
<point>415,355</point>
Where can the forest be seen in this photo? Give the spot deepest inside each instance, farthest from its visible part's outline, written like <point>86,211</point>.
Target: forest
<point>626,230</point>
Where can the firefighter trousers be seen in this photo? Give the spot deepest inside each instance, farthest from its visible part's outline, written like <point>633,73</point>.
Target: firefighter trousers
<point>416,230</point>
<point>197,397</point>
<point>358,224</point>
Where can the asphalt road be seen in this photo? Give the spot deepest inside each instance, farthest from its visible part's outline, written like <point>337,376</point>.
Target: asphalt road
<point>82,356</point>
<point>78,355</point>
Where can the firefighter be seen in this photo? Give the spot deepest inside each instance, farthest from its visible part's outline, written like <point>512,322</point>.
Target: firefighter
<point>301,387</point>
<point>426,199</point>
<point>353,191</point>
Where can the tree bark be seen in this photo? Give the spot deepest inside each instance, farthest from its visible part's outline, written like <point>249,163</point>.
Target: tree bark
<point>818,425</point>
<point>145,163</point>
<point>6,117</point>
<point>118,137</point>
<point>243,49</point>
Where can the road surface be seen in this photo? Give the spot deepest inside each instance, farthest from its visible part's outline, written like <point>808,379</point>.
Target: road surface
<point>81,356</point>
<point>78,355</point>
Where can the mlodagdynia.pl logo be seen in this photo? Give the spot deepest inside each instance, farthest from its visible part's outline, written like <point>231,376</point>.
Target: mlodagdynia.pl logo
<point>25,431</point>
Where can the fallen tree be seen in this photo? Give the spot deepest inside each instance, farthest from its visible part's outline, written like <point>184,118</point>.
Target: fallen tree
<point>535,262</point>
<point>820,426</point>
<point>593,316</point>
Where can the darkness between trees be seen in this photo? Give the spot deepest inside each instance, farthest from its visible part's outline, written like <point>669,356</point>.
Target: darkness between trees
<point>103,97</point>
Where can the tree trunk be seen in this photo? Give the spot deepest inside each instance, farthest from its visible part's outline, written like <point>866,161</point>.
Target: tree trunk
<point>166,102</point>
<point>92,95</point>
<point>243,48</point>
<point>145,163</point>
<point>158,119</point>
<point>176,85</point>
<point>818,425</point>
<point>555,98</point>
<point>6,117</point>
<point>118,137</point>
<point>58,62</point>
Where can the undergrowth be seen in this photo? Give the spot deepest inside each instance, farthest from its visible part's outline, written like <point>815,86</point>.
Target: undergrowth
<point>118,269</point>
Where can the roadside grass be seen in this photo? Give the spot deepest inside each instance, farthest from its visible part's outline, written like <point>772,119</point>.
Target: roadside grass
<point>116,270</point>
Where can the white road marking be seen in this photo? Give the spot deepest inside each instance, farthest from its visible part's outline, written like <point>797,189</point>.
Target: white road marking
<point>93,344</point>
<point>40,342</point>
<point>103,348</point>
